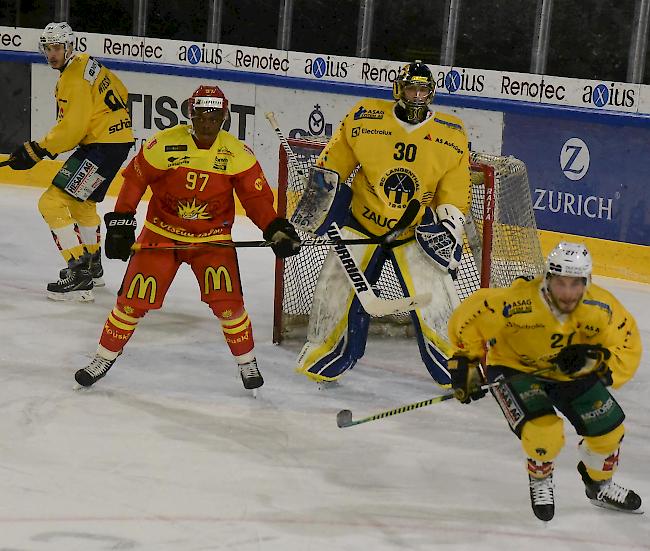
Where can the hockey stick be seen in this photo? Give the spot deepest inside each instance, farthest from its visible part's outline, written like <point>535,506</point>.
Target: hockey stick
<point>344,417</point>
<point>372,304</point>
<point>389,237</point>
<point>5,163</point>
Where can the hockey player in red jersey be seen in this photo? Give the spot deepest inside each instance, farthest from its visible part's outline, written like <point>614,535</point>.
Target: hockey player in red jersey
<point>583,340</point>
<point>193,172</point>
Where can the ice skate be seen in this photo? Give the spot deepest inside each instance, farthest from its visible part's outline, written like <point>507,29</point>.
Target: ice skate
<point>97,369</point>
<point>93,263</point>
<point>76,286</point>
<point>608,494</point>
<point>251,376</point>
<point>542,499</point>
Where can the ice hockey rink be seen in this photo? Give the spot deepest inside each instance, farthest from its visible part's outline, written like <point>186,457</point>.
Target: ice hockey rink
<point>169,452</point>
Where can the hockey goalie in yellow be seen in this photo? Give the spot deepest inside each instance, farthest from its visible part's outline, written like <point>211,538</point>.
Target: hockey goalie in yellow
<point>398,151</point>
<point>554,344</point>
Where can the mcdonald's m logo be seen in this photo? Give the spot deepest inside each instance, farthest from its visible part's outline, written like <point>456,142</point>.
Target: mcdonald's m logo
<point>214,276</point>
<point>142,285</point>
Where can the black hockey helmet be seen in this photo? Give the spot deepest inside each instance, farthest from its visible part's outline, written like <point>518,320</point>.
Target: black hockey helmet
<point>413,89</point>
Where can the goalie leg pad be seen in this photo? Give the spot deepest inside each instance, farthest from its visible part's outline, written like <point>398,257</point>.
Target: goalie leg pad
<point>600,453</point>
<point>338,325</point>
<point>324,362</point>
<point>414,273</point>
<point>543,438</point>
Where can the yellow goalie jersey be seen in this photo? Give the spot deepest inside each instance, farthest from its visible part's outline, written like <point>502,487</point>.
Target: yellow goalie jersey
<point>90,107</point>
<point>520,331</point>
<point>398,162</point>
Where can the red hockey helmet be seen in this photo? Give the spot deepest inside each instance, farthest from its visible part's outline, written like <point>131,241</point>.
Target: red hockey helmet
<point>207,98</point>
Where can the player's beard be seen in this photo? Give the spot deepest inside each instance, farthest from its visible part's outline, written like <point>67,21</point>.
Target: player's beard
<point>565,306</point>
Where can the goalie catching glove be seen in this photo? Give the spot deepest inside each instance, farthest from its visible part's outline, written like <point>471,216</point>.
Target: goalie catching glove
<point>578,360</point>
<point>466,379</point>
<point>27,155</point>
<point>283,237</point>
<point>441,236</point>
<point>120,234</point>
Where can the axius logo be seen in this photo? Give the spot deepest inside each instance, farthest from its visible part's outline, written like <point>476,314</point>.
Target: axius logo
<point>614,95</point>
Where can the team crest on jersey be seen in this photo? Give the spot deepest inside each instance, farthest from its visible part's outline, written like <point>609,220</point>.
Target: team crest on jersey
<point>193,211</point>
<point>517,307</point>
<point>152,143</point>
<point>400,186</point>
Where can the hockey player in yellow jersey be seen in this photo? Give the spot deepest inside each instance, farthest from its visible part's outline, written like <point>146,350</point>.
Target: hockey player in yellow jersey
<point>404,151</point>
<point>92,117</point>
<point>557,342</point>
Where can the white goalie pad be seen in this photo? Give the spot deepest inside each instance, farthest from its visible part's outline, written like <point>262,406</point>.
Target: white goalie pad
<point>324,201</point>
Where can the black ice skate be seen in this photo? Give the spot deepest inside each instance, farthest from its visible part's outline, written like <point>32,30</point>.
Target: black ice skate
<point>608,494</point>
<point>93,263</point>
<point>76,286</point>
<point>97,369</point>
<point>250,375</point>
<point>541,497</point>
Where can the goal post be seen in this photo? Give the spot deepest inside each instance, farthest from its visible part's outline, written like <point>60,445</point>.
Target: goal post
<point>501,241</point>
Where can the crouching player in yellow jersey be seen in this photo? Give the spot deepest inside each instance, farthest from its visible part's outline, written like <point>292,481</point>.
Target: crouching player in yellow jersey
<point>403,151</point>
<point>559,342</point>
<point>91,116</point>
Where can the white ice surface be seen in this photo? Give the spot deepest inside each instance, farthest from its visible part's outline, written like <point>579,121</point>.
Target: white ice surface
<point>168,452</point>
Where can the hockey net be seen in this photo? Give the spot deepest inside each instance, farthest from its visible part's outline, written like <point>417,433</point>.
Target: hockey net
<point>501,240</point>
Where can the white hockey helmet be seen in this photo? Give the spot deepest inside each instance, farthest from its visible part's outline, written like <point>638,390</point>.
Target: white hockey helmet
<point>58,33</point>
<point>569,259</point>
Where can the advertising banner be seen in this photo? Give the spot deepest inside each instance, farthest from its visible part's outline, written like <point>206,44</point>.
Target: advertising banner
<point>586,179</point>
<point>157,102</point>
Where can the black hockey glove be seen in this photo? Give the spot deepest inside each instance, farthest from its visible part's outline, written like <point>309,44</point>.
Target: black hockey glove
<point>577,360</point>
<point>27,155</point>
<point>605,375</point>
<point>120,234</point>
<point>465,379</point>
<point>283,237</point>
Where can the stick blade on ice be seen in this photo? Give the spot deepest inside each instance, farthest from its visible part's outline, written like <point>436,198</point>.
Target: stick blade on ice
<point>344,418</point>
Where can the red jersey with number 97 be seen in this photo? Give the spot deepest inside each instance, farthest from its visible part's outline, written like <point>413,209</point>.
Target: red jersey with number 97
<point>193,189</point>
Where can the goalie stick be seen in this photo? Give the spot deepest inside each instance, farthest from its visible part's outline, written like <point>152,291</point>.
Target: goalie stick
<point>344,417</point>
<point>372,304</point>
